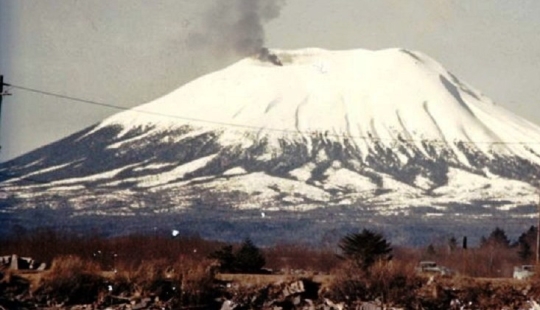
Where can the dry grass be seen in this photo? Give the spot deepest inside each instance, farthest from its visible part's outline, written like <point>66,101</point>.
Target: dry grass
<point>71,280</point>
<point>486,262</point>
<point>176,269</point>
<point>256,280</point>
<point>393,283</point>
<point>195,279</point>
<point>186,280</point>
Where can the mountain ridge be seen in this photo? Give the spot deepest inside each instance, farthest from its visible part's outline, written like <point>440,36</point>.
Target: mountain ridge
<point>384,133</point>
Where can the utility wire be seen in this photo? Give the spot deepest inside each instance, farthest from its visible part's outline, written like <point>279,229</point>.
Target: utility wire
<point>66,97</point>
<point>256,128</point>
<point>142,111</point>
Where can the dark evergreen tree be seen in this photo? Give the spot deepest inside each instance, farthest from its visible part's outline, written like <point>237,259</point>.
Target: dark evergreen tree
<point>524,252</point>
<point>497,238</point>
<point>365,248</point>
<point>225,257</point>
<point>526,244</point>
<point>249,258</point>
<point>529,236</point>
<point>430,251</point>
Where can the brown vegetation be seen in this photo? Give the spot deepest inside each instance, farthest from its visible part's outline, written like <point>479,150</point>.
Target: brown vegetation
<point>288,258</point>
<point>177,272</point>
<point>71,280</point>
<point>390,282</point>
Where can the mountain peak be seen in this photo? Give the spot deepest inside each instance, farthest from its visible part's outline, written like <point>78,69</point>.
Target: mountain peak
<point>365,96</point>
<point>374,133</point>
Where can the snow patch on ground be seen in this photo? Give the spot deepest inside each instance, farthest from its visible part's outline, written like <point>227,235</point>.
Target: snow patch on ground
<point>176,173</point>
<point>41,171</point>
<point>345,179</point>
<point>154,166</point>
<point>235,171</point>
<point>91,178</point>
<point>263,190</point>
<point>303,173</point>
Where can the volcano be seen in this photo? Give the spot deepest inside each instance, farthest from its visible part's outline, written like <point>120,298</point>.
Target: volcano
<point>325,141</point>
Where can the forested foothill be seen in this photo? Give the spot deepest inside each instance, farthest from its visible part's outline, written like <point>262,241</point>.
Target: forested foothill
<point>174,271</point>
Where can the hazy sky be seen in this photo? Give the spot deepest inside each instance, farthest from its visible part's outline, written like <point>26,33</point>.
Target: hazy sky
<point>128,52</point>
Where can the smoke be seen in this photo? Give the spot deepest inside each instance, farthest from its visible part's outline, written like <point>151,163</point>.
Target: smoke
<point>266,55</point>
<point>235,26</point>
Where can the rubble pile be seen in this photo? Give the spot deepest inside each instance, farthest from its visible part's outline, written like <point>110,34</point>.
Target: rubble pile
<point>300,294</point>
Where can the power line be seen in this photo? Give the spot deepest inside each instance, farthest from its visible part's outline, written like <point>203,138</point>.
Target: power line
<point>66,97</point>
<point>141,111</point>
<point>256,128</point>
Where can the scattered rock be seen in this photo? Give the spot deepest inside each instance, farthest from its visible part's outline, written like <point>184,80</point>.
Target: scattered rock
<point>294,288</point>
<point>143,304</point>
<point>228,305</point>
<point>14,262</point>
<point>369,306</point>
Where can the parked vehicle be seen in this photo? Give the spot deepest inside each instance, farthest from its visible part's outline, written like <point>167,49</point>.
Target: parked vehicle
<point>523,272</point>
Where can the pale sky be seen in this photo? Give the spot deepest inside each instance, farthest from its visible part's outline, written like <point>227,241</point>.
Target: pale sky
<point>128,52</point>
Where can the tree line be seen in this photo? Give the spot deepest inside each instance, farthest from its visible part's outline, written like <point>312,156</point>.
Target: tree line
<point>495,255</point>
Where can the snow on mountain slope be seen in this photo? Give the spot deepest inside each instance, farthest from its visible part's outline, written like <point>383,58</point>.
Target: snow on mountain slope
<point>467,187</point>
<point>359,95</point>
<point>374,133</point>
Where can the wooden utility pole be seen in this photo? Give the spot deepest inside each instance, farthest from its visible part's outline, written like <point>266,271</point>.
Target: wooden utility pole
<point>2,94</point>
<point>538,232</point>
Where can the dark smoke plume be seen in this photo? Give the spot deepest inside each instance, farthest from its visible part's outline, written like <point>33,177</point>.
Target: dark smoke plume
<point>266,55</point>
<point>235,26</point>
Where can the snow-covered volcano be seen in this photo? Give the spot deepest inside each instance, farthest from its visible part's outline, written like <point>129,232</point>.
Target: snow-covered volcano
<point>366,97</point>
<point>388,131</point>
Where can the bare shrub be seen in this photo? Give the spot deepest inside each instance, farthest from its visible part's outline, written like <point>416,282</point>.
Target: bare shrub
<point>185,281</point>
<point>394,282</point>
<point>71,280</point>
<point>534,285</point>
<point>391,282</point>
<point>195,279</point>
<point>142,275</point>
<point>348,284</point>
<point>486,261</point>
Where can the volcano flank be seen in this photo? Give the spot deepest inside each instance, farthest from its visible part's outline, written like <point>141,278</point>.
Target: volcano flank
<point>317,141</point>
